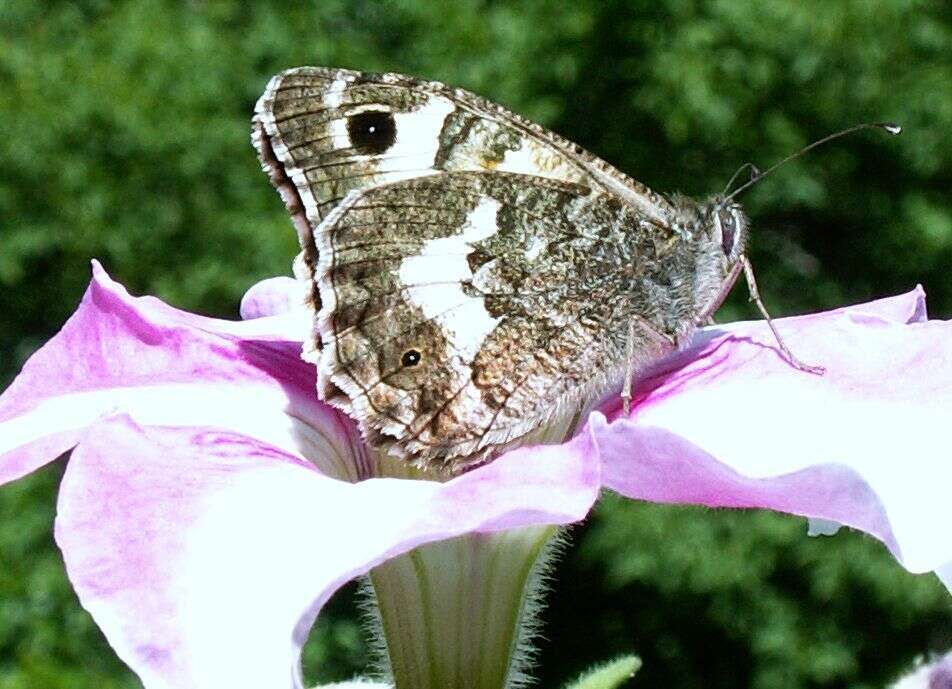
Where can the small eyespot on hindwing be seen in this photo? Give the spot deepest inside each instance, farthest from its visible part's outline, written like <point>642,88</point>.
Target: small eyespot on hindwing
<point>411,357</point>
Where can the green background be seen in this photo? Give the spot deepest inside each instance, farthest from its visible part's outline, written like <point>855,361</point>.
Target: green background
<point>126,137</point>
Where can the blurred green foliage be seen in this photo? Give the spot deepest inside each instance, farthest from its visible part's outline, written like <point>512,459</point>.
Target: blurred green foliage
<point>127,140</point>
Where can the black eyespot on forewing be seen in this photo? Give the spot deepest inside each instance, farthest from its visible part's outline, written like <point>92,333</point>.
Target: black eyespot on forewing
<point>371,132</point>
<point>411,357</point>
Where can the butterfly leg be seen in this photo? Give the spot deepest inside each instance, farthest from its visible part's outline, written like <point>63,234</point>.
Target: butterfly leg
<point>661,343</point>
<point>755,297</point>
<point>629,370</point>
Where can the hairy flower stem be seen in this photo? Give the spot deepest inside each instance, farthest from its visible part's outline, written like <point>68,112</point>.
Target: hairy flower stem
<point>459,614</point>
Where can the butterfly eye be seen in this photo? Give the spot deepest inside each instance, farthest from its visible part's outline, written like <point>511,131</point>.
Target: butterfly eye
<point>371,132</point>
<point>728,228</point>
<point>411,357</point>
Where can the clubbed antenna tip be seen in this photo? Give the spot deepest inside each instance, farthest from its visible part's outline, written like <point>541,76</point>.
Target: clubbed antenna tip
<point>756,175</point>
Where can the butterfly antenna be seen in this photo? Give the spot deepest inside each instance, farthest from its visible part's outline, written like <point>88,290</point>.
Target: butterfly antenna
<point>893,129</point>
<point>754,174</point>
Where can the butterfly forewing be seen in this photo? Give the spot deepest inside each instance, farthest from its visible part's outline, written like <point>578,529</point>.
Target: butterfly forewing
<point>322,133</point>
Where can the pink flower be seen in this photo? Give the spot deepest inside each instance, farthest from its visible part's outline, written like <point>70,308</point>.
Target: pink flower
<point>212,503</point>
<point>934,675</point>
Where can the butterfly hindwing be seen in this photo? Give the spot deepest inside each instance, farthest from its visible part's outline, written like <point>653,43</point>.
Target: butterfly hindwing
<point>460,310</point>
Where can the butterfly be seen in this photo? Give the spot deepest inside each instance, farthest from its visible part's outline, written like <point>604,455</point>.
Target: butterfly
<point>472,274</point>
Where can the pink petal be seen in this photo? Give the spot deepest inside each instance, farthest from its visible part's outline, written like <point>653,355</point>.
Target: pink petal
<point>934,675</point>
<point>205,556</point>
<point>163,366</point>
<point>732,424</point>
<point>273,297</point>
<point>902,308</point>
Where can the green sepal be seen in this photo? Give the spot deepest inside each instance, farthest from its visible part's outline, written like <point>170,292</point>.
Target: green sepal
<point>609,675</point>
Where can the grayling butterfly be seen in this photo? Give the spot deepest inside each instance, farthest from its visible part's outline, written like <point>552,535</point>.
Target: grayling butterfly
<point>473,274</point>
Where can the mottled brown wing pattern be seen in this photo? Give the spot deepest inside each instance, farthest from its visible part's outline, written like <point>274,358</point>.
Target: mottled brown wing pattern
<point>461,310</point>
<point>322,133</point>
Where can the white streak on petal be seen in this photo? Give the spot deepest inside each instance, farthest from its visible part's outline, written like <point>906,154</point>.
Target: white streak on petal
<point>119,353</point>
<point>945,575</point>
<point>164,405</point>
<point>274,297</point>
